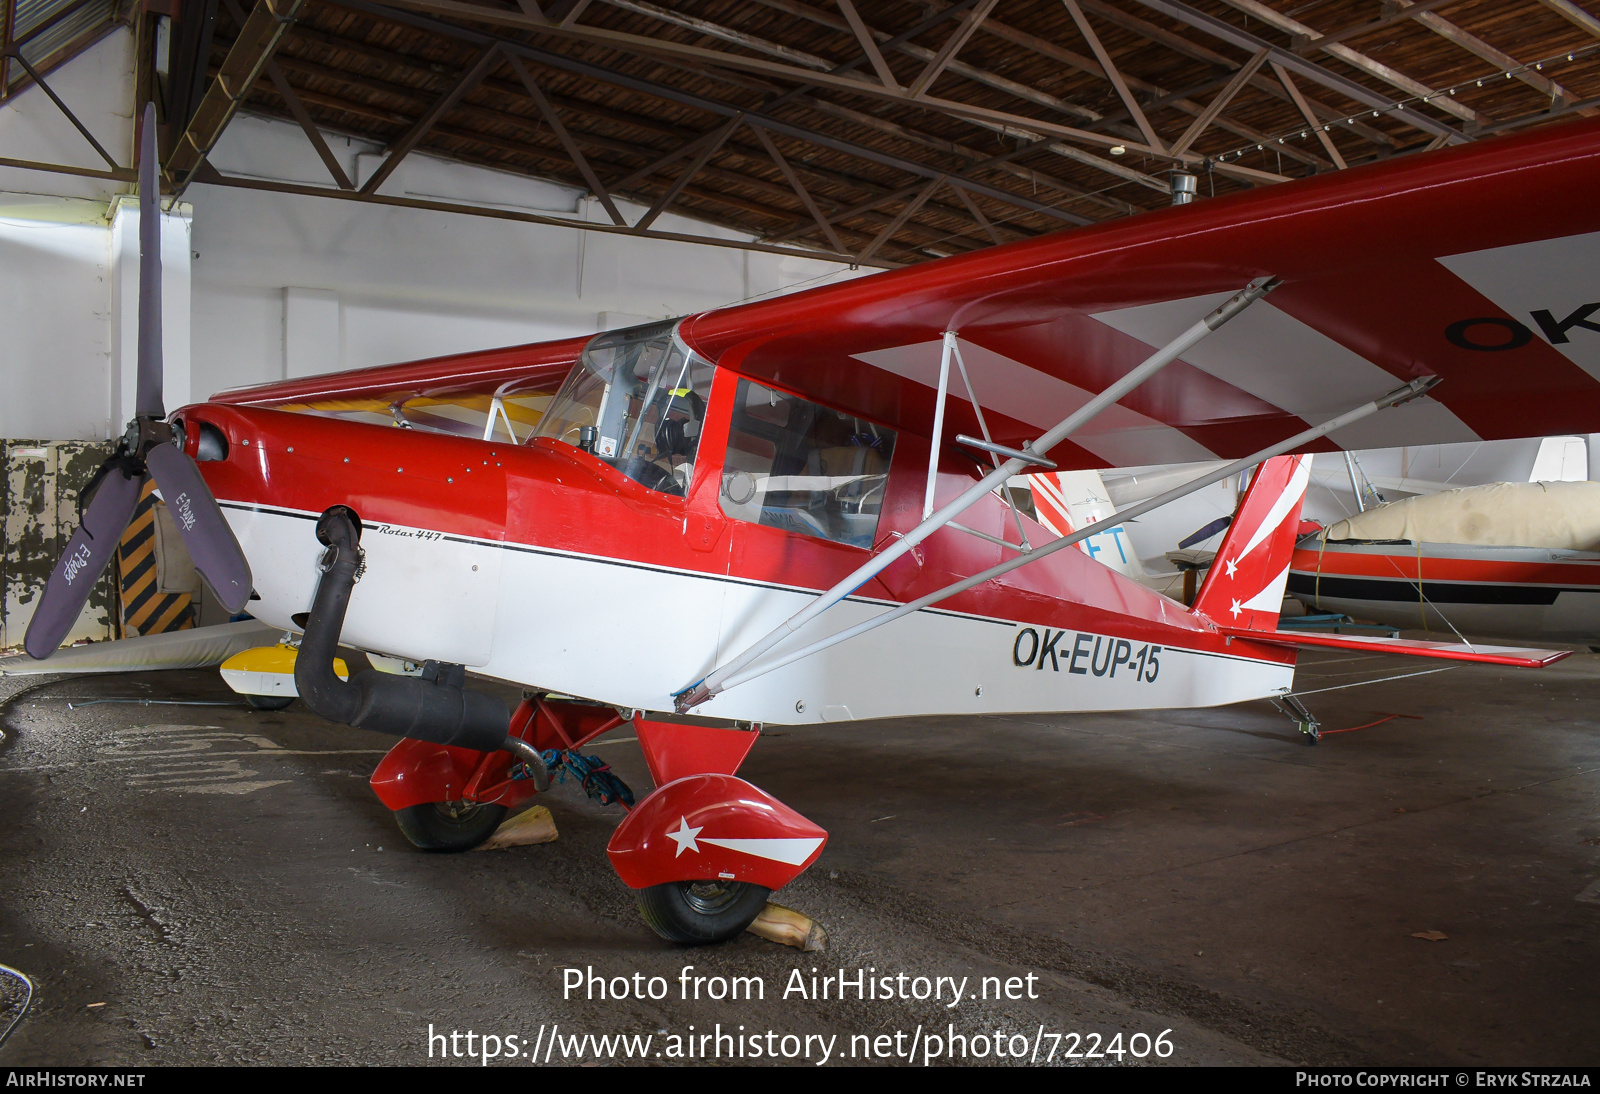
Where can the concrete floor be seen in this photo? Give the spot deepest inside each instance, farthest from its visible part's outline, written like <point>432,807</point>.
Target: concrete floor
<point>1198,871</point>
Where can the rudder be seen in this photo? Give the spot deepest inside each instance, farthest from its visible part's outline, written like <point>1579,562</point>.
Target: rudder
<point>1244,589</point>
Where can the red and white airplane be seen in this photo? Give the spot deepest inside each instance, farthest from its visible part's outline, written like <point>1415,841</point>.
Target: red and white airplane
<point>793,511</point>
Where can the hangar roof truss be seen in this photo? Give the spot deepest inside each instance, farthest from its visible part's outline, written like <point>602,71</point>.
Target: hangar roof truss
<point>882,134</point>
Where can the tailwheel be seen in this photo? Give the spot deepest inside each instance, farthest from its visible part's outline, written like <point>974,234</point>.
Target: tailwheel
<point>449,826</point>
<point>1304,720</point>
<point>697,912</point>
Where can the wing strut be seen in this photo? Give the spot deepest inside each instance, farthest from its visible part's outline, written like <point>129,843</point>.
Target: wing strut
<point>1394,398</point>
<point>497,410</point>
<point>952,348</point>
<point>717,680</point>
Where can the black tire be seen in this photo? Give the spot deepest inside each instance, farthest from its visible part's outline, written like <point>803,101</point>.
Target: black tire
<point>269,702</point>
<point>697,912</point>
<point>433,826</point>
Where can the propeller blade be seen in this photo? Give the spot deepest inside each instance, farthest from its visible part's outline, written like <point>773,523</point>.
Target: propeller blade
<point>148,394</point>
<point>202,526</point>
<point>82,563</point>
<point>1205,533</point>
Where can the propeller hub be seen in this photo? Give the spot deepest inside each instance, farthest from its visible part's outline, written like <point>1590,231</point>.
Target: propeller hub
<point>144,433</point>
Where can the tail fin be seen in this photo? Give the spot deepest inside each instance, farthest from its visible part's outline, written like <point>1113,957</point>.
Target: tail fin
<point>1065,501</point>
<point>1244,589</point>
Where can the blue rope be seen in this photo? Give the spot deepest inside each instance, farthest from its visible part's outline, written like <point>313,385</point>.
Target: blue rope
<point>593,774</point>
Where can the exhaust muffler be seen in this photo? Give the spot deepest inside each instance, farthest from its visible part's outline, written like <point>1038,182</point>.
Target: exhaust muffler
<point>433,707</point>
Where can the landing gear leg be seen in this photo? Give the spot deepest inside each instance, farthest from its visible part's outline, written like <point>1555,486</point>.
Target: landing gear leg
<point>1303,719</point>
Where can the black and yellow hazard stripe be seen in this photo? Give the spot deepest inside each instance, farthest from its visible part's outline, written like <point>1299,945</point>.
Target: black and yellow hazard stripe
<point>146,610</point>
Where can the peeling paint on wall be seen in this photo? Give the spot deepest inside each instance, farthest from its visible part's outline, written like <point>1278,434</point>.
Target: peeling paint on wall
<point>39,505</point>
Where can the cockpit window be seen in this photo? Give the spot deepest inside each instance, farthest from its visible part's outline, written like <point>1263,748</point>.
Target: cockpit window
<point>806,468</point>
<point>636,400</point>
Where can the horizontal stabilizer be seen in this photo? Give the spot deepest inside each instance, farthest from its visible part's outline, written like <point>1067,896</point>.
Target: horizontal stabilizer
<point>1449,651</point>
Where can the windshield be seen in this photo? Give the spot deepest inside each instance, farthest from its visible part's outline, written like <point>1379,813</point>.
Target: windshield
<point>635,400</point>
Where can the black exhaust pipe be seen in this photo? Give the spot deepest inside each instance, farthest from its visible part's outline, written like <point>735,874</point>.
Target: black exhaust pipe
<point>436,709</point>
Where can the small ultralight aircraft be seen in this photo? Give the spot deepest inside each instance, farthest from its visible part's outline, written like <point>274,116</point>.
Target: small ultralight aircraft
<point>1516,560</point>
<point>794,511</point>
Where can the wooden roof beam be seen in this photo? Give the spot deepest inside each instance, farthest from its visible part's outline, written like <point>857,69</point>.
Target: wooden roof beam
<point>575,153</point>
<point>1009,127</point>
<point>800,191</point>
<point>902,43</point>
<point>640,44</point>
<point>1109,68</point>
<point>1089,67</point>
<point>904,215</point>
<point>1311,119</point>
<point>275,186</point>
<point>490,116</point>
<point>263,29</point>
<point>297,109</point>
<point>1224,97</point>
<point>538,153</point>
<point>1180,100</point>
<point>1189,47</point>
<point>1356,30</point>
<point>958,38</point>
<point>1574,14</point>
<point>313,134</point>
<point>868,45</point>
<point>762,45</point>
<point>977,213</point>
<point>1240,39</point>
<point>1028,174</point>
<point>429,70</point>
<point>711,148</point>
<point>1361,61</point>
<point>39,81</point>
<point>399,149</point>
<point>691,98</point>
<point>1503,61</point>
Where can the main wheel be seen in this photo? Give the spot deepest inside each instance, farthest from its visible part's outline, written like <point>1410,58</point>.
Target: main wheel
<point>449,826</point>
<point>697,912</point>
<point>269,702</point>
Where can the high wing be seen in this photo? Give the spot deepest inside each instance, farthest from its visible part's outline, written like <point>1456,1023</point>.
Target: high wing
<point>1465,263</point>
<point>1477,264</point>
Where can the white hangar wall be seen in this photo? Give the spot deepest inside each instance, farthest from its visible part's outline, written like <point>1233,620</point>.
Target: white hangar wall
<point>55,301</point>
<point>286,285</point>
<point>55,258</point>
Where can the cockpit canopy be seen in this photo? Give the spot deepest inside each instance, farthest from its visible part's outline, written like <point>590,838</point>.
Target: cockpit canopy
<point>636,400</point>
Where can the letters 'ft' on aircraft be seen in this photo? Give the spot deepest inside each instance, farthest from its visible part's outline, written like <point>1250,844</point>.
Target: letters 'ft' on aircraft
<point>793,511</point>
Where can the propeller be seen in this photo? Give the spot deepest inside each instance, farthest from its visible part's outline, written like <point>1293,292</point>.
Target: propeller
<point>1203,534</point>
<point>149,447</point>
